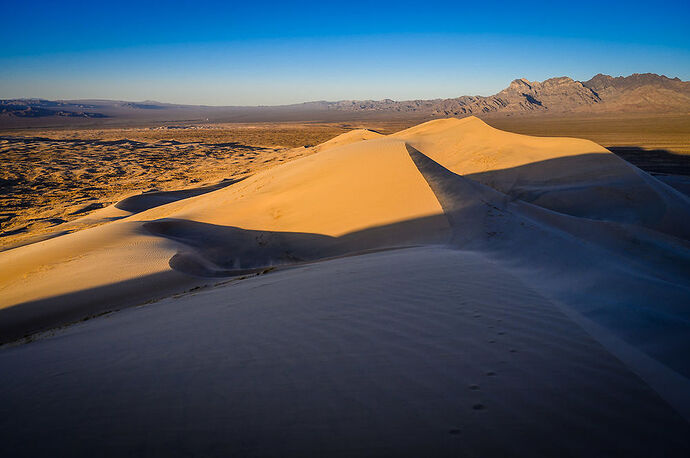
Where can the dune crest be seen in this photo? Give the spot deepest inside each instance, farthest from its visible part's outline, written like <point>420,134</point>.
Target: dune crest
<point>353,136</point>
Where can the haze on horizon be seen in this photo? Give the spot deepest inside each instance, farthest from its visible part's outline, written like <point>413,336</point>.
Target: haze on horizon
<point>240,54</point>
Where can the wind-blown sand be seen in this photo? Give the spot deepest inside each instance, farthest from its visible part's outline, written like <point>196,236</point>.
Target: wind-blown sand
<point>541,311</point>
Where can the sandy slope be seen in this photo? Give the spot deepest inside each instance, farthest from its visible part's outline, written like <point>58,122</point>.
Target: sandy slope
<point>304,200</point>
<point>569,175</point>
<point>548,230</point>
<point>417,352</point>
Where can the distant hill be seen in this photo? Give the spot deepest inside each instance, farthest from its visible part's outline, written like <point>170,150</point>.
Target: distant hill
<point>38,108</point>
<point>647,92</point>
<point>637,92</point>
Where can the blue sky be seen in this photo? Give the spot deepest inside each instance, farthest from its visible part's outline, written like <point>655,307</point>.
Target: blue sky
<point>249,53</point>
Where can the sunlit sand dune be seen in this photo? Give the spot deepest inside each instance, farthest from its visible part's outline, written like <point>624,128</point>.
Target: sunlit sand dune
<point>447,289</point>
<point>296,212</point>
<point>568,175</point>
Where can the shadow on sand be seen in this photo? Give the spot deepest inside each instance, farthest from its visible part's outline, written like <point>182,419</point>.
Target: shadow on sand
<point>148,200</point>
<point>210,251</point>
<point>654,160</point>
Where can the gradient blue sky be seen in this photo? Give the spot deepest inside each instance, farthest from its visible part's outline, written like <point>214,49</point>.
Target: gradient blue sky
<point>250,53</point>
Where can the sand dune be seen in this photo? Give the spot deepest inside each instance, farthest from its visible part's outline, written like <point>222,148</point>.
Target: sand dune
<point>554,229</point>
<point>364,191</point>
<point>568,175</point>
<point>414,352</point>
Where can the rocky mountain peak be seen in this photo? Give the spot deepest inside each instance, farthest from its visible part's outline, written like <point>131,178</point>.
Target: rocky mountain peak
<point>520,84</point>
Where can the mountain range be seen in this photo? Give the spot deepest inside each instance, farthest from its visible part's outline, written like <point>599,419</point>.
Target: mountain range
<point>603,93</point>
<point>637,92</point>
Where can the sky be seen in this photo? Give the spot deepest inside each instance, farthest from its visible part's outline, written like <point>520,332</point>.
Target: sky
<point>271,53</point>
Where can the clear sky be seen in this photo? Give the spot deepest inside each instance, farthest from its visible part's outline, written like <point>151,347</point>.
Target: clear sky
<point>266,53</point>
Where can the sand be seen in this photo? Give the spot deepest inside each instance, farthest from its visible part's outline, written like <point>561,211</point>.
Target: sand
<point>423,351</point>
<point>50,180</point>
<point>349,301</point>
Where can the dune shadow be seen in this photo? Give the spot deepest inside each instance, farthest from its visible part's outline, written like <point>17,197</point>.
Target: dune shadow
<point>211,250</point>
<point>587,186</point>
<point>88,208</point>
<point>654,160</point>
<point>148,200</point>
<point>27,318</point>
<point>595,186</point>
<point>464,202</point>
<point>620,275</point>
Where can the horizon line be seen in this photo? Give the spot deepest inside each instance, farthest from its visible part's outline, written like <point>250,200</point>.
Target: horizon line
<point>325,100</point>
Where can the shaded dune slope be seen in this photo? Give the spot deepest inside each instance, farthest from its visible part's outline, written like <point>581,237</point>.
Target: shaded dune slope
<point>628,278</point>
<point>148,200</point>
<point>568,175</point>
<point>425,351</point>
<point>575,222</point>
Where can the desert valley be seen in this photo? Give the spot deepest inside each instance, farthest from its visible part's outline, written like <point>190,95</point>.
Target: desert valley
<point>268,262</point>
